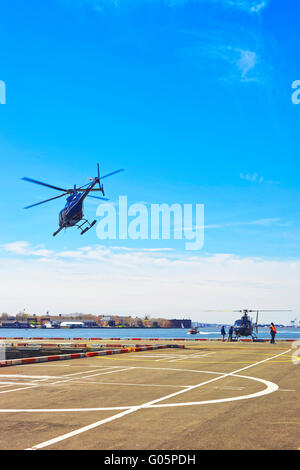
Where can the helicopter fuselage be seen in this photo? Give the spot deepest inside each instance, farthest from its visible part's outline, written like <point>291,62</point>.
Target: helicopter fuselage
<point>72,213</point>
<point>243,327</point>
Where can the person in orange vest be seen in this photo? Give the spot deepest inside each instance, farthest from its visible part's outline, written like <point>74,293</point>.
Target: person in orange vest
<point>273,332</point>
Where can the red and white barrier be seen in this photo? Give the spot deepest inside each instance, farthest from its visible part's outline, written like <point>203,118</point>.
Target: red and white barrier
<point>135,339</point>
<point>33,360</point>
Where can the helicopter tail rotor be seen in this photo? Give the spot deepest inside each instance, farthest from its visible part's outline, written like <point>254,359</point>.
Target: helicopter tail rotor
<point>256,322</point>
<point>105,176</point>
<point>100,185</point>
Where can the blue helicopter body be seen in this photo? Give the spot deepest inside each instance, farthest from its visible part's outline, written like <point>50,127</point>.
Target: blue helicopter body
<point>72,213</point>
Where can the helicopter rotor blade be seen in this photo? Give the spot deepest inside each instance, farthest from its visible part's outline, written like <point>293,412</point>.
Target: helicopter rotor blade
<point>98,197</point>
<point>219,311</point>
<point>99,181</point>
<point>84,186</point>
<point>30,180</point>
<point>98,173</point>
<point>81,188</point>
<point>113,173</point>
<point>93,189</point>
<point>269,310</point>
<point>47,200</point>
<point>256,322</point>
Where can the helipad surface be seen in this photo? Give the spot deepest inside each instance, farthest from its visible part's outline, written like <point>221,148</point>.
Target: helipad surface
<point>208,396</point>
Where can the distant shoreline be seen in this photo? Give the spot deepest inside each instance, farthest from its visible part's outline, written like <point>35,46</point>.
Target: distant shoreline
<point>128,327</point>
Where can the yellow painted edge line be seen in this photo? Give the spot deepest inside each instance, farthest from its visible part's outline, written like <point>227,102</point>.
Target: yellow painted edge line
<point>136,358</point>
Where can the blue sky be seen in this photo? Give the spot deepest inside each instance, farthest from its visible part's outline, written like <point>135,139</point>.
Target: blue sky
<point>193,99</point>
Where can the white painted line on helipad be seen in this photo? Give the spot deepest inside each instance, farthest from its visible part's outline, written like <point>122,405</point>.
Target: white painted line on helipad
<point>109,372</point>
<point>19,389</point>
<point>93,375</point>
<point>133,409</point>
<point>270,388</point>
<point>193,356</point>
<point>18,383</point>
<point>29,376</point>
<point>95,370</point>
<point>284,390</point>
<point>64,410</point>
<point>230,388</point>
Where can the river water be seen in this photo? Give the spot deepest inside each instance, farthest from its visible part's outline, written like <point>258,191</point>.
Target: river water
<point>123,333</point>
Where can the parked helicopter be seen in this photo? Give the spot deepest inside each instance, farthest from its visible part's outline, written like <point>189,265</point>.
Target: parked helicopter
<point>72,213</point>
<point>245,326</point>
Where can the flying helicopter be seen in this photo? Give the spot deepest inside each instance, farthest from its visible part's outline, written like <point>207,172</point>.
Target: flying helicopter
<point>72,214</point>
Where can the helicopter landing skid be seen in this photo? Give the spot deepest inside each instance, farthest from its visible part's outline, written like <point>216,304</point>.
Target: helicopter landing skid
<point>90,225</point>
<point>57,231</point>
<point>238,338</point>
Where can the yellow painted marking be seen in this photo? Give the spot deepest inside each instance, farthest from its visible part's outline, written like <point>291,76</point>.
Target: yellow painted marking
<point>207,362</point>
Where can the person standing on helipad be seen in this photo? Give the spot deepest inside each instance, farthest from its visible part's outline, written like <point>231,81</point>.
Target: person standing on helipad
<point>273,332</point>
<point>230,333</point>
<point>223,332</point>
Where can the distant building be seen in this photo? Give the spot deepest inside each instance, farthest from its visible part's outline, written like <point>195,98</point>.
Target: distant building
<point>90,324</point>
<point>180,323</point>
<point>294,323</point>
<point>137,322</point>
<point>105,321</point>
<point>72,324</point>
<point>8,324</point>
<point>14,324</point>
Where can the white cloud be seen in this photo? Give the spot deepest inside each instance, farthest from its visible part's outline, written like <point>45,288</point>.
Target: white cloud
<point>240,50</point>
<point>252,177</point>
<point>256,178</point>
<point>24,248</point>
<point>266,222</point>
<point>247,61</point>
<point>244,63</point>
<point>248,6</point>
<point>258,6</point>
<point>232,53</point>
<point>100,279</point>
